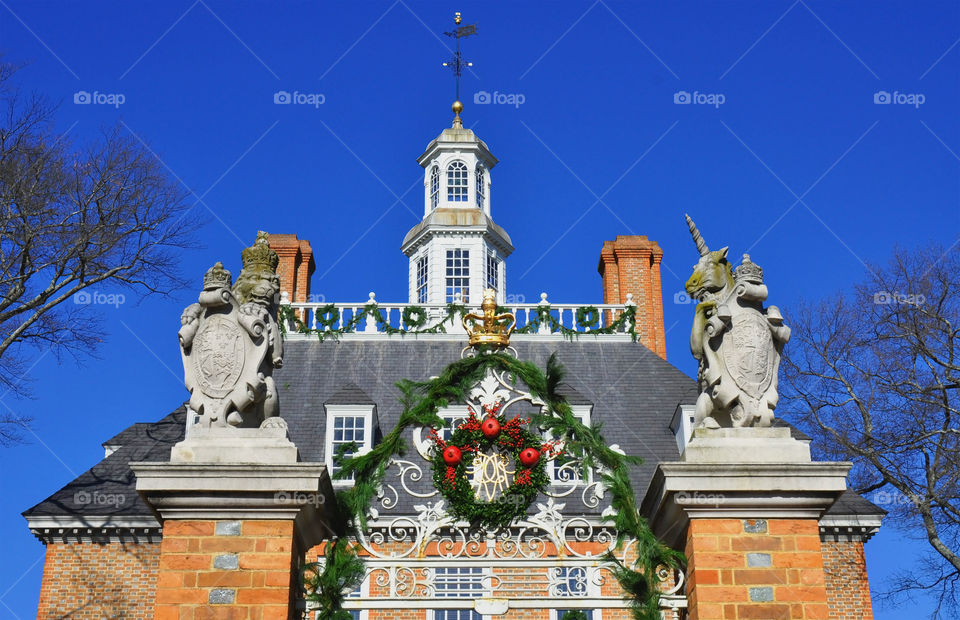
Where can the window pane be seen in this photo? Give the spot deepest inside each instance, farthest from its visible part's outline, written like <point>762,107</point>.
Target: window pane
<point>457,182</point>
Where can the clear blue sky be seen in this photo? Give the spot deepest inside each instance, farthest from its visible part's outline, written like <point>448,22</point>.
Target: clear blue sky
<point>797,165</point>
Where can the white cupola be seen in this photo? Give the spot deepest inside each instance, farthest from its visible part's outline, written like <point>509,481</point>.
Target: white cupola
<point>456,249</point>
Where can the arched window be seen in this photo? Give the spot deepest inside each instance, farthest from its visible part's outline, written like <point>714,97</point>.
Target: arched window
<point>457,182</point>
<point>481,187</point>
<point>434,187</point>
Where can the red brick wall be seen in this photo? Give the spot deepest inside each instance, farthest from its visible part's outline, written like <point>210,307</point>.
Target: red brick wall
<point>760,569</point>
<point>631,264</point>
<point>99,580</point>
<point>848,590</point>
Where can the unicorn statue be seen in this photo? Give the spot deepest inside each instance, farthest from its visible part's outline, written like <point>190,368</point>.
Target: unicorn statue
<point>735,339</point>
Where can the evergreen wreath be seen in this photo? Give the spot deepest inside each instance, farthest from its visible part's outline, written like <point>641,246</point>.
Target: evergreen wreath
<point>453,459</point>
<point>414,317</point>
<point>328,316</point>
<point>640,578</point>
<point>588,317</point>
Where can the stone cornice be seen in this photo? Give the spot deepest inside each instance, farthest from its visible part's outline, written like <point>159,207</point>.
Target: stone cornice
<point>95,529</point>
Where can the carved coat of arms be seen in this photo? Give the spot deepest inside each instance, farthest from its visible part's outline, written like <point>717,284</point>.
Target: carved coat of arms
<point>230,342</point>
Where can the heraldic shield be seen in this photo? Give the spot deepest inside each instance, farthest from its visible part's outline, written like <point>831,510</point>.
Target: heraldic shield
<point>752,358</point>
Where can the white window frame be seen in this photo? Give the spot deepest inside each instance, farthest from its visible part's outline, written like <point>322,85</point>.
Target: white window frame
<point>554,612</point>
<point>464,196</point>
<point>422,290</point>
<point>463,277</point>
<point>584,414</point>
<point>434,186</point>
<point>492,260</point>
<point>480,174</point>
<point>485,573</point>
<point>334,411</point>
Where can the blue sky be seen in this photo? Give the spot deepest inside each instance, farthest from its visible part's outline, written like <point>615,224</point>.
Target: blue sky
<point>788,157</point>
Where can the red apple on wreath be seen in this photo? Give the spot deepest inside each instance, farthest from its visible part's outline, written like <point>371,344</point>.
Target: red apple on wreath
<point>452,456</point>
<point>529,457</point>
<point>490,428</point>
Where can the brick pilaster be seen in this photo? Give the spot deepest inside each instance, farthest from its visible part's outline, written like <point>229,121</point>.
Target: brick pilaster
<point>742,569</point>
<point>236,570</point>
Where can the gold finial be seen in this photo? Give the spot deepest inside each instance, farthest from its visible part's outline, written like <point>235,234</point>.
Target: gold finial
<point>489,328</point>
<point>457,19</point>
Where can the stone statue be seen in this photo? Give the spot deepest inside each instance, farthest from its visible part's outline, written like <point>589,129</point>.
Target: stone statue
<point>230,342</point>
<point>736,340</point>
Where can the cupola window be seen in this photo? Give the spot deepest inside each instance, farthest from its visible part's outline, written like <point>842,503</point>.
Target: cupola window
<point>434,187</point>
<point>481,187</point>
<point>457,182</point>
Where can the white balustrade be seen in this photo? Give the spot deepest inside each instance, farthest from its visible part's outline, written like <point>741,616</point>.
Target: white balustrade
<point>525,313</point>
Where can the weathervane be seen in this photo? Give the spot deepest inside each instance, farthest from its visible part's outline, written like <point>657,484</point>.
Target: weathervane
<point>457,63</point>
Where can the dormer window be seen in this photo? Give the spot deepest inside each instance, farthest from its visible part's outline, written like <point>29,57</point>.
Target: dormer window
<point>481,187</point>
<point>434,187</point>
<point>457,182</point>
<point>347,425</point>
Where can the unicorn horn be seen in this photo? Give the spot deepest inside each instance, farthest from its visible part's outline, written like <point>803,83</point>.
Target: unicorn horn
<point>697,237</point>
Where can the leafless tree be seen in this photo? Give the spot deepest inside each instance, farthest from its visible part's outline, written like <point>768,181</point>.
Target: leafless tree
<point>874,376</point>
<point>78,224</point>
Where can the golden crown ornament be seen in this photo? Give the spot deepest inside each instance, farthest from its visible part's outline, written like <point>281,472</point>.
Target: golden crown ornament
<point>490,328</point>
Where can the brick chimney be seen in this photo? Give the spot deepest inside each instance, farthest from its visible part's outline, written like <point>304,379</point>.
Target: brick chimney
<point>631,264</point>
<point>295,267</point>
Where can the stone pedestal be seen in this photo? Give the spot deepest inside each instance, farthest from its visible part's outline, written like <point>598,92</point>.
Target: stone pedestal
<point>744,505</point>
<point>238,511</point>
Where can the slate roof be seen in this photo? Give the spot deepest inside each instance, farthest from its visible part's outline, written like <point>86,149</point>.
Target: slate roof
<point>633,392</point>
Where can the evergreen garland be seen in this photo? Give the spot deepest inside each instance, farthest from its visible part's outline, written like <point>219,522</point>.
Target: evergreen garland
<point>415,317</point>
<point>640,578</point>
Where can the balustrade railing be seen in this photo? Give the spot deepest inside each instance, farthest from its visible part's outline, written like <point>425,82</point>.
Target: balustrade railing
<point>332,317</point>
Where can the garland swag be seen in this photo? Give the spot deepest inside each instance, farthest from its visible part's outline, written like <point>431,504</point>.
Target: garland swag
<point>640,579</point>
<point>415,318</point>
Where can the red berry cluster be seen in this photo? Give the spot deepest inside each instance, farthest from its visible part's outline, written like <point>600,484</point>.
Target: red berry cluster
<point>523,477</point>
<point>451,477</point>
<point>511,433</point>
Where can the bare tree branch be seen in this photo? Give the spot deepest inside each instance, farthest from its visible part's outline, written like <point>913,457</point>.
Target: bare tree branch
<point>874,378</point>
